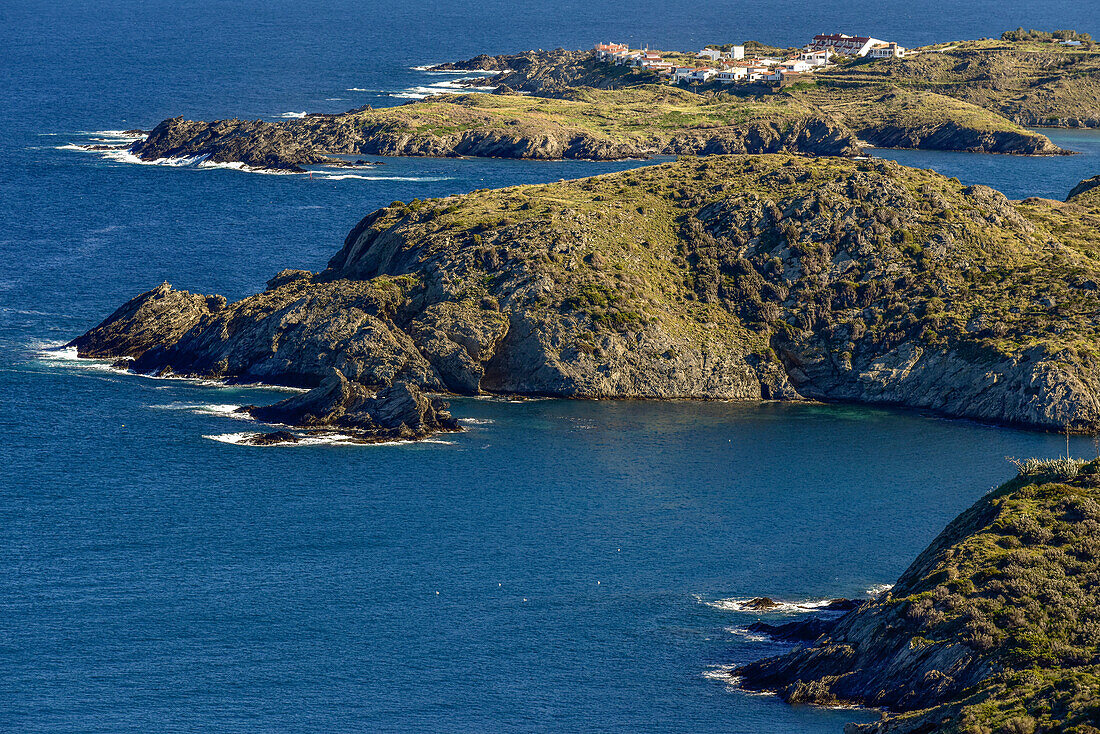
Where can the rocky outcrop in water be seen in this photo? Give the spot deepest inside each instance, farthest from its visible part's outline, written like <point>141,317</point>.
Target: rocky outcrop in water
<point>400,411</point>
<point>727,277</point>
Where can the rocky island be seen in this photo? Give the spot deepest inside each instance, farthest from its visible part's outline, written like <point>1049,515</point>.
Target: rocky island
<point>971,96</point>
<point>991,629</point>
<point>726,277</point>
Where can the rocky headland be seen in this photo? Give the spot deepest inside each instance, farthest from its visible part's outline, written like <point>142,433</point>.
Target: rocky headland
<point>991,629</point>
<point>729,277</point>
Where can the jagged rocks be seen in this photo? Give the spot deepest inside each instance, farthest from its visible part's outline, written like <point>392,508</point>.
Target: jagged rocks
<point>400,411</point>
<point>989,629</point>
<point>156,317</point>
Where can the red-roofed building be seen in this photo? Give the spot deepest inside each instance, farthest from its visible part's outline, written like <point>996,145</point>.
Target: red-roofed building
<point>603,50</point>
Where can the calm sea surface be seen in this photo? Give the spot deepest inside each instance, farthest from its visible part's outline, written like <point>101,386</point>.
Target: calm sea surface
<point>561,566</point>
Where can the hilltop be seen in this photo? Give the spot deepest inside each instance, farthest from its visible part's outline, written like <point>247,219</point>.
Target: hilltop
<point>991,629</point>
<point>728,277</point>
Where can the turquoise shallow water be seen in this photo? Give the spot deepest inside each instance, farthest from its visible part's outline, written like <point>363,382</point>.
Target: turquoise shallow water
<point>561,566</point>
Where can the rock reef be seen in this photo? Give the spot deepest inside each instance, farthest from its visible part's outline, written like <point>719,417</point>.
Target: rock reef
<point>729,277</point>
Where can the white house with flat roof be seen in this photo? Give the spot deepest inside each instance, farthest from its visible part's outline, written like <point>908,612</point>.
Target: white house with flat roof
<point>886,51</point>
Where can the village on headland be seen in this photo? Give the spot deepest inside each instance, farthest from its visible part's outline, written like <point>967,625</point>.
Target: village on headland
<point>731,64</point>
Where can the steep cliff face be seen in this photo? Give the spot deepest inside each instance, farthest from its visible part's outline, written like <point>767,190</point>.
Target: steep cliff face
<point>991,629</point>
<point>724,277</point>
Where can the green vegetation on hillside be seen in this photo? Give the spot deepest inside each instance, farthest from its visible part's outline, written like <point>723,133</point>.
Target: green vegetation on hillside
<point>1030,83</point>
<point>1022,592</point>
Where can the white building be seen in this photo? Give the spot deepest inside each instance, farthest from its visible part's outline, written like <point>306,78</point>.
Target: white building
<point>816,58</point>
<point>736,53</point>
<point>709,53</point>
<point>603,50</point>
<point>732,74</point>
<point>796,65</point>
<point>886,51</point>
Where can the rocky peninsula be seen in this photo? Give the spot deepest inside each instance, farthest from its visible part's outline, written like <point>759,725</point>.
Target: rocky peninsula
<point>991,629</point>
<point>726,277</point>
<point>972,96</point>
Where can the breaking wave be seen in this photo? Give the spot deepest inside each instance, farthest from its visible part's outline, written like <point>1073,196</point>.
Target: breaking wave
<point>878,589</point>
<point>446,87</point>
<point>294,115</point>
<point>744,605</point>
<point>745,634</point>
<point>329,439</point>
<point>222,409</point>
<point>326,176</point>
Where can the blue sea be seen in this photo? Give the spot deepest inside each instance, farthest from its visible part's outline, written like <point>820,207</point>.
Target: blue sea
<point>560,566</point>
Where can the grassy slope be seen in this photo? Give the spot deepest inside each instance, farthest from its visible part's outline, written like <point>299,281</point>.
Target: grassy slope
<point>916,109</point>
<point>647,115</point>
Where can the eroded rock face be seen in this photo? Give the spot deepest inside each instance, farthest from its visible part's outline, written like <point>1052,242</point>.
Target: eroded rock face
<point>290,145</point>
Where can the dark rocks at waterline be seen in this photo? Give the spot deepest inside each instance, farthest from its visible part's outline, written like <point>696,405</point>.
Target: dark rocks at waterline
<point>762,604</point>
<point>400,411</point>
<point>274,438</point>
<point>800,630</point>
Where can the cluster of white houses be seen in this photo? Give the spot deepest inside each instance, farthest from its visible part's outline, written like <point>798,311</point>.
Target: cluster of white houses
<point>730,66</point>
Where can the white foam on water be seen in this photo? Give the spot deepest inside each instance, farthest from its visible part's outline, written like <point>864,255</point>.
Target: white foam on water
<point>722,674</point>
<point>878,589</point>
<point>358,89</point>
<point>294,115</point>
<point>118,134</point>
<point>336,99</point>
<point>327,439</point>
<point>60,355</point>
<point>476,421</point>
<point>221,409</point>
<point>238,166</point>
<point>743,605</point>
<point>124,155</point>
<point>747,635</point>
<point>422,92</point>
